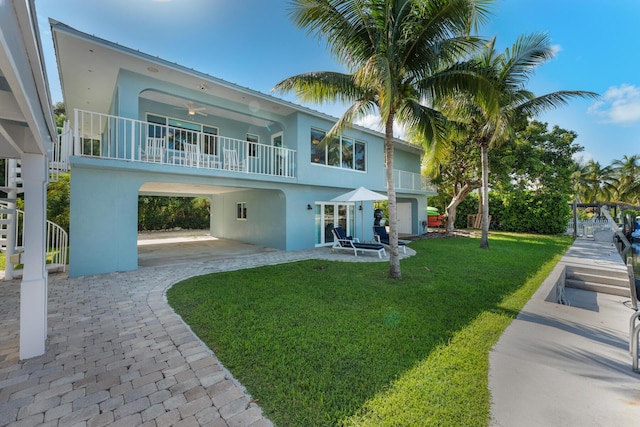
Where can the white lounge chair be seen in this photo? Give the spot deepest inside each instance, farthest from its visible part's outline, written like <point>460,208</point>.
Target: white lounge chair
<point>342,241</point>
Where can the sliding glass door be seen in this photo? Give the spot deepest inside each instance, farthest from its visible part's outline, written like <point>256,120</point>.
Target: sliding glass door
<point>330,215</point>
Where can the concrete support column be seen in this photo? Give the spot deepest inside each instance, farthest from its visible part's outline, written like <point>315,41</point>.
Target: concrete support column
<point>33,289</point>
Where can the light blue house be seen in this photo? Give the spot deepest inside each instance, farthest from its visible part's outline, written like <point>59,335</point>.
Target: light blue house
<point>145,126</point>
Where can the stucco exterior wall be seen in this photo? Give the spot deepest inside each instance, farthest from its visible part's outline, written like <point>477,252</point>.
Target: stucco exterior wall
<point>104,224</point>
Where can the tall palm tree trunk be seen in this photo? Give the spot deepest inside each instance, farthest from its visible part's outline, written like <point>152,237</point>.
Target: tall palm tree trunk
<point>394,253</point>
<point>484,152</point>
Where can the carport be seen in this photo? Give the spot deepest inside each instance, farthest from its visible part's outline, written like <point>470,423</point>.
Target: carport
<point>186,246</point>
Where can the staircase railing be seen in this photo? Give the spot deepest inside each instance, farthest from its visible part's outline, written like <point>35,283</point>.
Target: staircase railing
<point>625,245</point>
<point>12,224</point>
<point>57,242</point>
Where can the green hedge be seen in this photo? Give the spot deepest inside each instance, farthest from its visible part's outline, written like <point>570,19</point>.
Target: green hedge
<point>521,211</point>
<point>164,213</point>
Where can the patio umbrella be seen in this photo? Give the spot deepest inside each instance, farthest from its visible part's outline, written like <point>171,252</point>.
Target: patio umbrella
<point>361,195</point>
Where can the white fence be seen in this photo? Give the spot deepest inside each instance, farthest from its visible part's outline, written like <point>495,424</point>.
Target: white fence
<point>588,228</point>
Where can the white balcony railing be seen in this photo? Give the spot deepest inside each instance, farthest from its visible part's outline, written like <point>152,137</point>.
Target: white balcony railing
<point>409,181</point>
<point>60,151</point>
<point>113,137</point>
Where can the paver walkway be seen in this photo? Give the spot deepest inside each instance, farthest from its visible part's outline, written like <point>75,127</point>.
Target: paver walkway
<point>118,355</point>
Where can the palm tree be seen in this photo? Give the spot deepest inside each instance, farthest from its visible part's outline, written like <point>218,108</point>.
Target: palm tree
<point>493,116</point>
<point>627,171</point>
<point>399,55</point>
<point>603,183</point>
<point>593,183</point>
<point>580,181</point>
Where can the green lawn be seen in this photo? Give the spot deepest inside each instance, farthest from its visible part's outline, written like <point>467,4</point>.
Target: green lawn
<point>323,343</point>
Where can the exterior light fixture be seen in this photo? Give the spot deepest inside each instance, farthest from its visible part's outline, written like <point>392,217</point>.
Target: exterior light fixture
<point>309,207</point>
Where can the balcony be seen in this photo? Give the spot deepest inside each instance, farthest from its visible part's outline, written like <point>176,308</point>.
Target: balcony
<point>409,181</point>
<point>112,137</point>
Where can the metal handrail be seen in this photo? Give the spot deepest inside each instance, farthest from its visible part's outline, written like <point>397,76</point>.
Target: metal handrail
<point>57,241</point>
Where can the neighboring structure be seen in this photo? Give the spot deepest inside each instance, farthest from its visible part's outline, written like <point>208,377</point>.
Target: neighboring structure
<point>27,137</point>
<point>145,126</point>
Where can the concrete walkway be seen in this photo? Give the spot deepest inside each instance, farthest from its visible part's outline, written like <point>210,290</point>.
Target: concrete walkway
<point>118,355</point>
<point>559,365</point>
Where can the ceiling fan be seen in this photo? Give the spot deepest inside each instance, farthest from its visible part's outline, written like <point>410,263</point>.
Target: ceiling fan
<point>192,109</point>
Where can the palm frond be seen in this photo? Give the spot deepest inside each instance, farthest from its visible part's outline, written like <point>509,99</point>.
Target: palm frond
<point>518,63</point>
<point>540,104</point>
<point>321,87</point>
<point>429,123</point>
<point>358,109</point>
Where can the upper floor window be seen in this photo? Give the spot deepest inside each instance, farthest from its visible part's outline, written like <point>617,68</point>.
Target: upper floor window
<point>341,151</point>
<point>178,132</point>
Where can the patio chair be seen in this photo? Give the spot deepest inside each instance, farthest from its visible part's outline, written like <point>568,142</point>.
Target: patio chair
<point>342,241</point>
<point>192,154</point>
<point>153,150</point>
<point>381,236</point>
<point>343,235</point>
<point>231,161</point>
<point>189,155</point>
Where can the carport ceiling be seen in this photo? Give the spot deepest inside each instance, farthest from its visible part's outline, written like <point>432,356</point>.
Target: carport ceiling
<point>183,190</point>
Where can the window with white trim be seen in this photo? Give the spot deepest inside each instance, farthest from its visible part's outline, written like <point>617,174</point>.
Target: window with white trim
<point>341,151</point>
<point>185,131</point>
<point>241,210</point>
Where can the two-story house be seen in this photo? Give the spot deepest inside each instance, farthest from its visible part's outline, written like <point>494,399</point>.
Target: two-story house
<point>145,126</point>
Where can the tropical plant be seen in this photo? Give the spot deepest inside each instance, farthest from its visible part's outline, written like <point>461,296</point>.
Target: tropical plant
<point>627,171</point>
<point>455,171</point>
<point>494,115</point>
<point>594,183</point>
<point>59,113</point>
<point>58,200</point>
<point>163,213</point>
<point>579,180</point>
<point>537,161</point>
<point>399,55</point>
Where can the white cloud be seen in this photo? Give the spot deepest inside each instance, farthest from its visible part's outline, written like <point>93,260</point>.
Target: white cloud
<point>619,105</point>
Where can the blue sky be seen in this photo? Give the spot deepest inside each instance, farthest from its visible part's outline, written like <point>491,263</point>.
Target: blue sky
<point>254,44</point>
